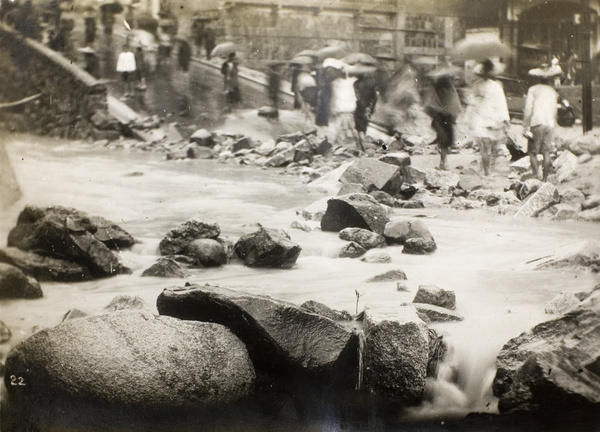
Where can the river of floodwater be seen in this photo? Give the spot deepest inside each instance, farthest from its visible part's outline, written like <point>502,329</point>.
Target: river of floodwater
<point>481,256</point>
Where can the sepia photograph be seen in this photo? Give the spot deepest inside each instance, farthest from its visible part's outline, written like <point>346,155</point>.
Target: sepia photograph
<point>300,215</point>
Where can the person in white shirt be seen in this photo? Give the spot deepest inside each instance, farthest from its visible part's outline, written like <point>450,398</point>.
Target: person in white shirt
<point>487,113</point>
<point>539,118</point>
<point>126,67</point>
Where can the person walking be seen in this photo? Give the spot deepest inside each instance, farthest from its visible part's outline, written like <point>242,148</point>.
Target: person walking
<point>127,68</point>
<point>487,113</point>
<point>274,83</point>
<point>443,106</point>
<point>365,89</point>
<point>539,117</point>
<point>229,69</point>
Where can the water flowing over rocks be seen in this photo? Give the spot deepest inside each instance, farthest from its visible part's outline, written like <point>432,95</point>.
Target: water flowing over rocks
<point>267,248</point>
<point>70,235</point>
<point>16,284</point>
<point>552,369</point>
<point>280,336</point>
<point>44,268</point>
<point>165,267</point>
<point>585,254</point>
<point>377,257</point>
<point>431,314</point>
<point>176,240</point>
<point>390,275</point>
<point>398,232</point>
<point>366,238</point>
<point>354,210</point>
<point>352,250</point>
<point>396,354</point>
<point>132,359</point>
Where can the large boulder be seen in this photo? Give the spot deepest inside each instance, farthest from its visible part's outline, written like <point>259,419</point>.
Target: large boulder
<point>546,196</point>
<point>434,295</point>
<point>69,234</point>
<point>418,246</point>
<point>366,238</point>
<point>133,359</point>
<point>207,252</point>
<point>267,248</point>
<point>553,369</point>
<point>45,268</point>
<point>16,284</point>
<point>279,335</point>
<point>374,175</point>
<point>111,234</point>
<point>354,210</point>
<point>398,232</point>
<point>395,356</point>
<point>178,238</point>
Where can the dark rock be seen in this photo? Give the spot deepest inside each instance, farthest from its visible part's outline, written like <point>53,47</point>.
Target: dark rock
<point>16,284</point>
<point>177,239</point>
<point>321,145</point>
<point>111,234</point>
<point>326,311</point>
<point>195,151</point>
<point>44,268</point>
<point>398,232</point>
<point>352,250</point>
<point>431,314</point>
<point>437,352</point>
<point>104,121</point>
<point>279,335</point>
<point>434,295</point>
<point>5,333</point>
<point>390,275</point>
<point>267,248</point>
<point>166,363</point>
<point>549,370</point>
<point>417,246</point>
<point>242,143</point>
<point>203,138</point>
<point>268,112</point>
<point>281,158</point>
<point>412,175</point>
<point>74,314</point>
<point>366,238</point>
<point>397,159</point>
<point>165,267</point>
<point>374,175</point>
<point>125,302</point>
<point>383,198</point>
<point>395,356</point>
<point>207,252</point>
<point>354,210</point>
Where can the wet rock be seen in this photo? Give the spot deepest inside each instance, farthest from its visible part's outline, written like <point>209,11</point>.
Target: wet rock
<point>16,284</point>
<point>374,175</point>
<point>326,311</point>
<point>588,143</point>
<point>437,352</point>
<point>207,252</point>
<point>584,254</point>
<point>5,333</point>
<point>377,257</point>
<point>417,246</point>
<point>550,370</point>
<point>390,275</point>
<point>383,198</point>
<point>111,234</point>
<point>397,159</point>
<point>592,215</point>
<point>279,335</point>
<point>352,250</point>
<point>398,232</point>
<point>203,138</point>
<point>354,210</point>
<point>166,363</point>
<point>565,166</point>
<point>562,303</point>
<point>434,295</point>
<point>545,197</point>
<point>395,356</point>
<point>430,313</point>
<point>367,239</point>
<point>267,248</point>
<point>125,302</point>
<point>44,268</point>
<point>74,314</point>
<point>177,239</point>
<point>165,267</point>
<point>65,233</point>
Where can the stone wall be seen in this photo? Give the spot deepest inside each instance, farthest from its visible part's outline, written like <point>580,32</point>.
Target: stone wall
<point>69,95</point>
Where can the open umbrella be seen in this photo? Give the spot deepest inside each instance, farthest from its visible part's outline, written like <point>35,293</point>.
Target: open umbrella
<point>479,48</point>
<point>358,57</point>
<point>331,52</point>
<point>113,8</point>
<point>360,69</point>
<point>226,48</point>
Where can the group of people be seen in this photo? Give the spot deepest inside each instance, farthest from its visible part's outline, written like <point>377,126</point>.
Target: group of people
<point>487,115</point>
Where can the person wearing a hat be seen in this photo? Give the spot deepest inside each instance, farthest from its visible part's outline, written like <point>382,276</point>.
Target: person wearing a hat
<point>487,113</point>
<point>539,117</point>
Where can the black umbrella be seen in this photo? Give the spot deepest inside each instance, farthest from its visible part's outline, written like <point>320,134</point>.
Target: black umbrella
<point>113,8</point>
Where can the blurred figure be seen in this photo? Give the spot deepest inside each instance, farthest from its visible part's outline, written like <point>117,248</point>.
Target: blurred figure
<point>365,88</point>
<point>140,68</point>
<point>343,101</point>
<point>443,106</point>
<point>230,70</point>
<point>306,92</point>
<point>209,41</point>
<point>91,63</point>
<point>182,78</point>
<point>487,113</point>
<point>90,29</point>
<point>539,118</point>
<point>126,67</point>
<point>274,83</point>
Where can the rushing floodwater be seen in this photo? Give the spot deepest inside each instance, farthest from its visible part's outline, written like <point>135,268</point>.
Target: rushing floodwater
<point>482,257</point>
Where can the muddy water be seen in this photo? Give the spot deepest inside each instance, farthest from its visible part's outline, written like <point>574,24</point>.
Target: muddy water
<point>481,256</point>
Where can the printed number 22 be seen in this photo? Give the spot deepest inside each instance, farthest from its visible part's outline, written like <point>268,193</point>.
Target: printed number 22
<point>17,381</point>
